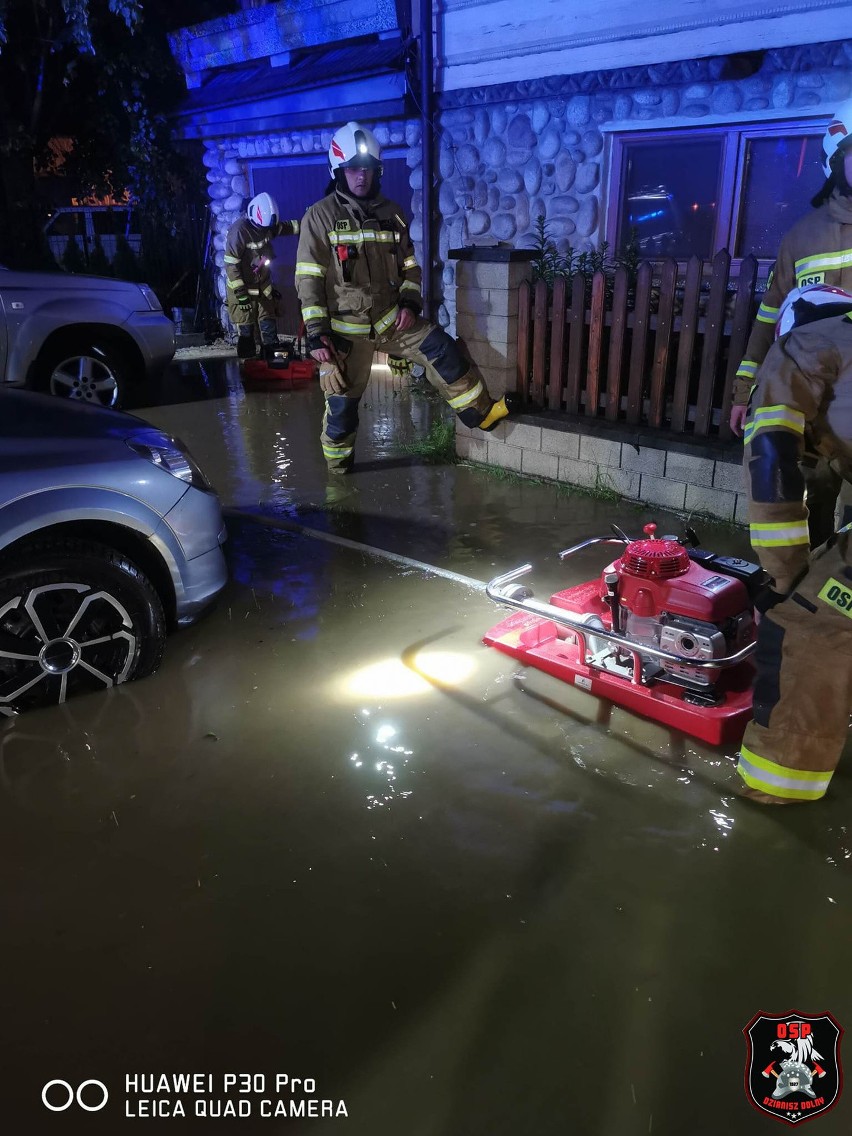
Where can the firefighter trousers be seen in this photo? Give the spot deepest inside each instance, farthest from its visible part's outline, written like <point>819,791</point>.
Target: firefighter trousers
<point>803,685</point>
<point>453,376</point>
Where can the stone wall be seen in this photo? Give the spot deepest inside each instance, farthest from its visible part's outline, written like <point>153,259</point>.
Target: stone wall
<point>228,161</point>
<point>513,152</point>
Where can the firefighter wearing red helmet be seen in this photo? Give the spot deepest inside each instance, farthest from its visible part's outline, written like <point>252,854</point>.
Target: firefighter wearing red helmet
<point>251,296</point>
<point>359,286</point>
<point>816,250</point>
<point>803,685</point>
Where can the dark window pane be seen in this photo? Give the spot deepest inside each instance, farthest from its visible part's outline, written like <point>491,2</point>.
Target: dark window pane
<point>66,225</point>
<point>669,194</point>
<point>110,222</point>
<point>781,176</point>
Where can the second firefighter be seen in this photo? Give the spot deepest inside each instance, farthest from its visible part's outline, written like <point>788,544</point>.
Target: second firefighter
<point>359,287</point>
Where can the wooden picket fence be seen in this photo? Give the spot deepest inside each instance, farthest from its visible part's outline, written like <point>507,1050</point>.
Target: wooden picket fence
<point>663,354</point>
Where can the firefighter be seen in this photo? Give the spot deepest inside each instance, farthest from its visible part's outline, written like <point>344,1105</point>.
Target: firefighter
<point>816,250</point>
<point>803,684</point>
<point>248,256</point>
<point>359,286</point>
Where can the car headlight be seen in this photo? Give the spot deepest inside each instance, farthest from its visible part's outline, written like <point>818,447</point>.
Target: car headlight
<point>150,298</point>
<point>171,455</point>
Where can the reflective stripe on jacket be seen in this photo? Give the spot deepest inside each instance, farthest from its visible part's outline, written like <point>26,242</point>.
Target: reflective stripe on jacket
<point>355,266</point>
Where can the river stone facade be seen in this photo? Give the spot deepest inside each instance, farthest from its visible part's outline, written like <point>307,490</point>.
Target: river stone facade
<point>513,152</point>
<point>509,153</point>
<point>227,163</point>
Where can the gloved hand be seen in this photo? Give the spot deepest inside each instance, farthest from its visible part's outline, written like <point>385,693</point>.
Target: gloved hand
<point>276,295</point>
<point>243,300</point>
<point>332,379</point>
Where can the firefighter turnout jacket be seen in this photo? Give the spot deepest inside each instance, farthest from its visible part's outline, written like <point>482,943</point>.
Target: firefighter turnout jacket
<point>805,381</point>
<point>355,267</point>
<point>248,255</point>
<point>803,681</point>
<point>816,250</point>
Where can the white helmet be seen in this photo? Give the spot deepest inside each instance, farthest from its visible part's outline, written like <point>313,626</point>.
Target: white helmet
<point>352,146</point>
<point>263,210</point>
<point>838,135</point>
<point>813,302</point>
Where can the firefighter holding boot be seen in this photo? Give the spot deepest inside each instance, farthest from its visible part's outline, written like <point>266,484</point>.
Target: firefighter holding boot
<point>359,286</point>
<point>816,250</point>
<point>248,255</point>
<point>803,685</point>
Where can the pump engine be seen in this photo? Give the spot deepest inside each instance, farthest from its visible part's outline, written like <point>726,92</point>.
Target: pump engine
<point>667,630</point>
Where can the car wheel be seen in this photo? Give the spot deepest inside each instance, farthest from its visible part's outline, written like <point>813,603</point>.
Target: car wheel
<point>74,617</point>
<point>87,373</point>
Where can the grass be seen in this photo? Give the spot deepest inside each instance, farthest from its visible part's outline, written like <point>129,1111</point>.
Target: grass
<point>438,447</point>
<point>601,491</point>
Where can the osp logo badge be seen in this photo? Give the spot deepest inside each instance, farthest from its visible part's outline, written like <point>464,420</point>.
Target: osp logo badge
<point>793,1067</point>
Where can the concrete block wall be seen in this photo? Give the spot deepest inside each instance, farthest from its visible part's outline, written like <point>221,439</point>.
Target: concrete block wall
<point>667,472</point>
<point>678,481</point>
<point>487,318</point>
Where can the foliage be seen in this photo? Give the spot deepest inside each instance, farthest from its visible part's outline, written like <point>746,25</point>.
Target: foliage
<point>99,265</point>
<point>438,447</point>
<point>549,264</point>
<point>86,90</point>
<point>125,265</point>
<point>73,259</point>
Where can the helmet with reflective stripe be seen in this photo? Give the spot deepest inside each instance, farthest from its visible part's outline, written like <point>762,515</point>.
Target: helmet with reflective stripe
<point>813,302</point>
<point>838,136</point>
<point>353,145</point>
<point>263,210</point>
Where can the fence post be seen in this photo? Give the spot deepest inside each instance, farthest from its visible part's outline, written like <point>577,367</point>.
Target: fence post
<point>488,286</point>
<point>688,327</point>
<point>616,343</point>
<point>740,327</point>
<point>557,344</point>
<point>662,342</point>
<point>714,326</point>
<point>539,342</point>
<point>641,314</point>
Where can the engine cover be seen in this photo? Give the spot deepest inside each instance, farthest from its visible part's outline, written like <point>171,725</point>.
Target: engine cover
<point>695,593</point>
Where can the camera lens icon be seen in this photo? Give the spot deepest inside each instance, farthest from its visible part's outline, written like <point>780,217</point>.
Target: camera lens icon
<point>59,1089</point>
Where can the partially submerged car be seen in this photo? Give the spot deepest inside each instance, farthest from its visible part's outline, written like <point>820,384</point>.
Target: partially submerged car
<point>109,534</point>
<point>81,337</point>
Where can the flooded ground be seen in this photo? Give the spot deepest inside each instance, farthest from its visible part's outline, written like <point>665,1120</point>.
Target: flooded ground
<point>336,838</point>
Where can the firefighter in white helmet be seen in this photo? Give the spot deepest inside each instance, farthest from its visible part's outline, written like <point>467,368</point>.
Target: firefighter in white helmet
<point>816,250</point>
<point>251,297</point>
<point>359,286</point>
<point>803,685</point>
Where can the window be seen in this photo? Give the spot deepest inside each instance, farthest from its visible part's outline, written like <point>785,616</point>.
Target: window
<point>110,222</point>
<point>692,192</point>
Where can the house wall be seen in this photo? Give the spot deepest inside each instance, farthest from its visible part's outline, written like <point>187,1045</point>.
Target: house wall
<point>510,152</point>
<point>228,163</point>
<point>501,41</point>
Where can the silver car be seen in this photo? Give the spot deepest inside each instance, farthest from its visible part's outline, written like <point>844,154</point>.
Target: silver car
<point>81,337</point>
<point>109,534</point>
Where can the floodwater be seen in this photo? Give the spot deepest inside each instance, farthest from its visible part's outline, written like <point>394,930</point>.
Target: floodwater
<point>335,838</point>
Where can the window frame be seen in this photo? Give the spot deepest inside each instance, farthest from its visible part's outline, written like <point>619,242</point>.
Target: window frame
<point>735,137</point>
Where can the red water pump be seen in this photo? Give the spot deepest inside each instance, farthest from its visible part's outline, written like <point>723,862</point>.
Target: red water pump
<point>666,630</point>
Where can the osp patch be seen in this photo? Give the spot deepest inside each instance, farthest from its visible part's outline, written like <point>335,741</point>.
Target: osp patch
<point>793,1069</point>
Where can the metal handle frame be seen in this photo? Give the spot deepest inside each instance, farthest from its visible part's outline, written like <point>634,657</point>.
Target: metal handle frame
<point>503,590</point>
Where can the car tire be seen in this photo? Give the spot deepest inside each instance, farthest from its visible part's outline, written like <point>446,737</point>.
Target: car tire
<point>75,617</point>
<point>86,372</point>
